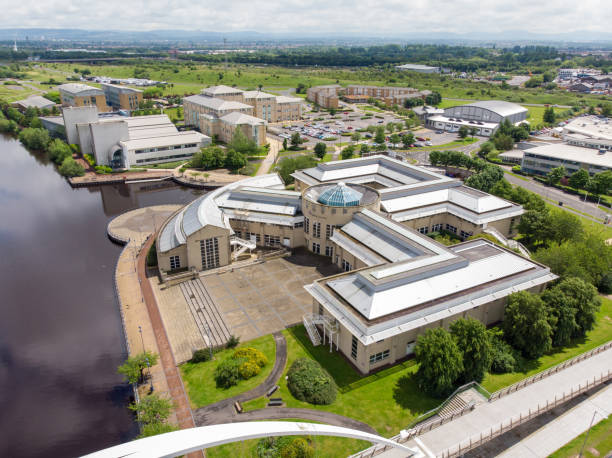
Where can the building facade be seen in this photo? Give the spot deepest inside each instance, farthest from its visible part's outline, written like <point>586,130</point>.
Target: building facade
<point>81,95</point>
<point>542,159</point>
<point>122,97</point>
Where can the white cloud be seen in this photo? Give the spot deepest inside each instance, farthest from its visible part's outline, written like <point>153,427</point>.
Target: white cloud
<point>366,17</point>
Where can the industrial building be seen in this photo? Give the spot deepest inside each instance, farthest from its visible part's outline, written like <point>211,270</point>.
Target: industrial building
<point>122,97</point>
<point>122,142</point>
<point>543,159</point>
<point>369,217</point>
<point>485,117</point>
<point>418,68</point>
<point>82,95</point>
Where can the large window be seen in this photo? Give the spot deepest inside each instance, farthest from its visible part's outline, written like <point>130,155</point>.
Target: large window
<point>329,251</point>
<point>424,229</point>
<point>271,240</point>
<point>175,262</point>
<point>354,346</point>
<point>329,230</point>
<point>316,248</point>
<point>316,230</point>
<point>465,235</point>
<point>436,228</point>
<point>306,225</point>
<point>346,266</point>
<point>377,357</point>
<point>209,250</point>
<point>451,228</point>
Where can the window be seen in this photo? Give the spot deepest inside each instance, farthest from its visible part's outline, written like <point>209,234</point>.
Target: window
<point>209,250</point>
<point>377,357</point>
<point>424,229</point>
<point>354,348</point>
<point>238,234</point>
<point>465,235</point>
<point>316,230</point>
<point>329,251</point>
<point>271,240</point>
<point>299,224</point>
<point>329,230</point>
<point>452,229</point>
<point>346,266</point>
<point>306,225</point>
<point>316,248</point>
<point>175,262</point>
<point>321,310</point>
<point>253,235</point>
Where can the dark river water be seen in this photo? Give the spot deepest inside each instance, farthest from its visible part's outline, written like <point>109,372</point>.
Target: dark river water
<point>60,331</point>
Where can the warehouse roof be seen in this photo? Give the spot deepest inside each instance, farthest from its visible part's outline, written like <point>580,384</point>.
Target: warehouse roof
<point>216,104</point>
<point>500,107</point>
<point>575,154</point>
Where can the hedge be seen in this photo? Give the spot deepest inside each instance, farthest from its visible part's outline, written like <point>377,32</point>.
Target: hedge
<point>309,382</point>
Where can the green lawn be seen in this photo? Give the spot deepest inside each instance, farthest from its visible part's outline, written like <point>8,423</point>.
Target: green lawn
<point>453,103</point>
<point>601,334</point>
<point>327,157</point>
<point>199,378</point>
<point>536,114</point>
<point>600,439</point>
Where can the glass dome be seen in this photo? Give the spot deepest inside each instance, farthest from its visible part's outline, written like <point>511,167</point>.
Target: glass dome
<point>340,196</point>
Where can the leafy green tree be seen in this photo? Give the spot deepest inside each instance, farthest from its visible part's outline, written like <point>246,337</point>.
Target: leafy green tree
<point>601,183</point>
<point>486,178</point>
<point>565,226</point>
<point>58,151</point>
<point>526,324</point>
<point>390,127</point>
<point>408,139</point>
<point>463,132</point>
<point>152,408</point>
<point>134,366</point>
<point>309,382</point>
<point>503,142</point>
<point>564,316</point>
<point>285,144</point>
<point>287,165</point>
<point>473,132</point>
<point>235,160</point>
<point>320,149</point>
<point>584,299</point>
<point>606,110</point>
<point>356,136</point>
<point>555,175</point>
<point>473,341</point>
<point>579,179</point>
<point>549,116</point>
<point>364,149</point>
<point>535,227</point>
<point>395,139</point>
<point>8,126</point>
<point>433,99</point>
<point>71,168</point>
<point>210,157</point>
<point>36,139</point>
<point>380,135</point>
<point>241,144</point>
<point>295,140</point>
<point>440,362</point>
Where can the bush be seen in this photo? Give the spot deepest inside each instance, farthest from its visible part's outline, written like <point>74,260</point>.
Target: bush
<point>252,355</point>
<point>248,369</point>
<point>102,169</point>
<point>232,342</point>
<point>58,151</point>
<point>90,159</point>
<point>227,373</point>
<point>8,126</point>
<point>33,138</point>
<point>71,168</point>
<point>309,382</point>
<point>502,356</point>
<point>200,356</point>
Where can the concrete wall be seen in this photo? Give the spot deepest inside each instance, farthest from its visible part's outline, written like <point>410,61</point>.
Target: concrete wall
<point>193,246</point>
<point>76,115</point>
<point>105,137</point>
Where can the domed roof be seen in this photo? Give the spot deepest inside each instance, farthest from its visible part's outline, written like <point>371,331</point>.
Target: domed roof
<point>340,195</point>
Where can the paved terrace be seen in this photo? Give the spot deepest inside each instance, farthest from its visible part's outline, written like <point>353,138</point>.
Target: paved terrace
<point>512,406</point>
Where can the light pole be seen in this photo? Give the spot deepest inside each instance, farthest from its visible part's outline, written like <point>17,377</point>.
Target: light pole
<point>207,329</point>
<point>587,435</point>
<point>146,358</point>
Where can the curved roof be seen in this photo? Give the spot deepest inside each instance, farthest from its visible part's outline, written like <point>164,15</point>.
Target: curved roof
<point>500,107</point>
<point>340,196</point>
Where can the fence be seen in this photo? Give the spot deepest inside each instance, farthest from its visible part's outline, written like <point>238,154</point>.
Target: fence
<point>553,370</point>
<point>500,429</point>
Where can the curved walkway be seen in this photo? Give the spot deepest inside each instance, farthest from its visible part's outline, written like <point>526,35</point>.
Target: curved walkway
<point>223,411</point>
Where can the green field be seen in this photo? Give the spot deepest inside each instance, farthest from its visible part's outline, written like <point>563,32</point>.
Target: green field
<point>599,442</point>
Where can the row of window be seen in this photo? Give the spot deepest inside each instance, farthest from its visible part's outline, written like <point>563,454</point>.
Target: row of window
<point>175,262</point>
<point>165,148</point>
<point>333,210</point>
<point>377,357</point>
<point>163,158</point>
<point>209,251</point>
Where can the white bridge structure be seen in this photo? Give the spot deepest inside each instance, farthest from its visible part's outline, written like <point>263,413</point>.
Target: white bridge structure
<point>190,440</point>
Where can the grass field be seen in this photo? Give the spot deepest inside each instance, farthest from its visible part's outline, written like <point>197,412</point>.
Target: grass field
<point>536,114</point>
<point>598,444</point>
<point>199,379</point>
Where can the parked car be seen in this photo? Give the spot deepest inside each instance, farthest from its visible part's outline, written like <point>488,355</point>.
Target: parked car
<point>439,132</point>
<point>428,143</point>
<point>381,121</point>
<point>421,139</point>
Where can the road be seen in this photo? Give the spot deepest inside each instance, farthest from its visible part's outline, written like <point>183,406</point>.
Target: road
<point>554,195</point>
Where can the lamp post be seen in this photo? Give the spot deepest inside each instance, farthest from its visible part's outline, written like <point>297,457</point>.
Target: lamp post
<point>207,329</point>
<point>146,359</point>
<point>587,435</point>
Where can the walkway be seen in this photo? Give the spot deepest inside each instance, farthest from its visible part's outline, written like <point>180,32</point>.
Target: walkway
<point>224,412</point>
<point>513,406</point>
<point>270,159</point>
<point>562,429</point>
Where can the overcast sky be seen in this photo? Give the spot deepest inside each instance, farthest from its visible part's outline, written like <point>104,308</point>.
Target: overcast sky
<point>366,17</point>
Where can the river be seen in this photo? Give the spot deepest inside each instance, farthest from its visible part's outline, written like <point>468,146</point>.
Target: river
<point>60,332</point>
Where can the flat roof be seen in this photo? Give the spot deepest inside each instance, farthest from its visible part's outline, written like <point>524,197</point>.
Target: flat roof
<point>515,153</point>
<point>416,67</point>
<point>125,89</point>
<point>285,99</point>
<point>78,88</point>
<point>35,101</point>
<point>573,153</point>
<point>215,103</point>
<point>178,138</point>
<point>591,127</point>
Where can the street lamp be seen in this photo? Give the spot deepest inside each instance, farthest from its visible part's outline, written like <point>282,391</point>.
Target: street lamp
<point>146,359</point>
<point>207,329</point>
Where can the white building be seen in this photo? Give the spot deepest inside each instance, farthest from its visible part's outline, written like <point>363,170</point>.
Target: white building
<point>418,68</point>
<point>543,159</point>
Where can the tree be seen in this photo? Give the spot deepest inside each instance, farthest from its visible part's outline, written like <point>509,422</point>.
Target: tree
<point>211,157</point>
<point>473,341</point>
<point>440,362</point>
<point>71,168</point>
<point>390,127</point>
<point>579,179</point>
<point>134,366</point>
<point>564,226</point>
<point>463,132</point>
<point>473,131</point>
<point>332,111</point>
<point>408,139</point>
<point>526,324</point>
<point>549,115</point>
<point>286,166</point>
<point>555,175</point>
<point>235,160</point>
<point>33,138</point>
<point>320,149</point>
<point>285,144</point>
<point>348,152</point>
<point>564,316</point>
<point>241,144</point>
<point>601,183</point>
<point>153,429</point>
<point>309,382</point>
<point>433,99</point>
<point>380,135</point>
<point>364,149</point>
<point>606,110</point>
<point>152,409</point>
<point>535,226</point>
<point>503,142</point>
<point>58,151</point>
<point>295,140</point>
<point>584,299</point>
<point>356,136</point>
<point>486,178</point>
<point>395,139</point>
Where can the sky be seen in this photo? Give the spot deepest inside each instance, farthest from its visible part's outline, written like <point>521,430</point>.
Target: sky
<point>364,17</point>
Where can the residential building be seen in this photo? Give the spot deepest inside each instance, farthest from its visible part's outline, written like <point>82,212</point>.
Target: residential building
<point>543,159</point>
<point>324,96</point>
<point>390,95</point>
<point>370,218</point>
<point>122,97</point>
<point>82,95</point>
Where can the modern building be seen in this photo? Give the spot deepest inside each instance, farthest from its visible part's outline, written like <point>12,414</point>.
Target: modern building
<point>324,96</point>
<point>34,101</point>
<point>485,117</point>
<point>394,282</point>
<point>122,97</point>
<point>122,142</point>
<point>588,128</point>
<point>418,68</point>
<point>543,159</point>
<point>390,95</point>
<point>82,95</point>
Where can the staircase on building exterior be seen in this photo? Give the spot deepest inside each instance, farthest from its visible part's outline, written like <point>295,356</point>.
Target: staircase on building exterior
<point>242,245</point>
<point>512,244</point>
<point>329,326</point>
<point>311,330</point>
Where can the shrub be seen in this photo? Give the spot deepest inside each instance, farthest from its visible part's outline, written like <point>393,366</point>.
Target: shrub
<point>102,169</point>
<point>58,151</point>
<point>232,342</point>
<point>200,356</point>
<point>227,373</point>
<point>252,355</point>
<point>36,139</point>
<point>71,168</point>
<point>8,126</point>
<point>309,382</point>
<point>248,369</point>
<point>90,159</point>
<point>502,357</point>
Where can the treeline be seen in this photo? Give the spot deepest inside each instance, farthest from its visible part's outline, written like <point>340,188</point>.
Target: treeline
<point>458,58</point>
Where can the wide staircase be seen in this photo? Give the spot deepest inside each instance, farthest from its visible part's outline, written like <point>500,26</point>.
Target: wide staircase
<point>455,405</point>
<point>205,313</point>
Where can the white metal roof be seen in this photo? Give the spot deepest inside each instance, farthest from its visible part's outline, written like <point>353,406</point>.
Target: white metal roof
<point>35,101</point>
<point>500,107</point>
<point>573,153</point>
<point>591,127</point>
<point>79,89</point>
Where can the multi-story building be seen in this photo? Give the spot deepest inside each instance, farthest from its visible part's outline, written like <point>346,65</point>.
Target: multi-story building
<point>324,96</point>
<point>543,159</point>
<point>368,217</point>
<point>81,95</point>
<point>391,95</point>
<point>122,97</point>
